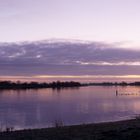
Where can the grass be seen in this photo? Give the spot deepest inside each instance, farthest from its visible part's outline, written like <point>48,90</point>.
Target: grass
<point>121,130</point>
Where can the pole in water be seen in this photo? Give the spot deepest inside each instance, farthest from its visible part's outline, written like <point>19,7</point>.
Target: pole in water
<point>116,92</point>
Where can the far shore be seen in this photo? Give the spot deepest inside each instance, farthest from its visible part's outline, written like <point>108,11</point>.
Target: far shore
<point>58,84</point>
<point>119,130</point>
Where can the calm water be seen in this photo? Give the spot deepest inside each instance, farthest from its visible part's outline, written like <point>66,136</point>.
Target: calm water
<point>42,108</point>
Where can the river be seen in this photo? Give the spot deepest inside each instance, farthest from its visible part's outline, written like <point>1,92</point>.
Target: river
<point>41,108</point>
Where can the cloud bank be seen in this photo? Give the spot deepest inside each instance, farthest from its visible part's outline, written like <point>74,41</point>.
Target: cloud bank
<point>67,58</point>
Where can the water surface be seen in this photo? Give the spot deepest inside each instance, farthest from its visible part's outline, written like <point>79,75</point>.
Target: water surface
<point>44,107</point>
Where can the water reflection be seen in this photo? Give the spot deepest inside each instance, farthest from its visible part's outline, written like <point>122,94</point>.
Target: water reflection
<point>42,108</point>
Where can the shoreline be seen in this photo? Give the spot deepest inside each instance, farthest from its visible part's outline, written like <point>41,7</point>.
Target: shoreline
<point>9,85</point>
<point>117,130</point>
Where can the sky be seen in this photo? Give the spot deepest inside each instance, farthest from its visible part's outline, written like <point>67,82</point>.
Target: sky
<point>63,60</point>
<point>95,20</point>
<point>69,39</point>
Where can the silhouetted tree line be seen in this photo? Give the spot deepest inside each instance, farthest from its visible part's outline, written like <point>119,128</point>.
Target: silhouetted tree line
<point>58,84</point>
<point>113,84</point>
<point>36,85</point>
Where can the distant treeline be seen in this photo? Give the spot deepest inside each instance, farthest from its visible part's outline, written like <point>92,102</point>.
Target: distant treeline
<point>113,84</point>
<point>58,84</point>
<point>36,85</point>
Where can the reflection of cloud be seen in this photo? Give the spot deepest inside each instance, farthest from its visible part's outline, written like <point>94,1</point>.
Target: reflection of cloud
<point>67,58</point>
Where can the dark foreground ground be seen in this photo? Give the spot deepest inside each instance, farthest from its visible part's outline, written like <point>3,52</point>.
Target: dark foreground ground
<point>122,130</point>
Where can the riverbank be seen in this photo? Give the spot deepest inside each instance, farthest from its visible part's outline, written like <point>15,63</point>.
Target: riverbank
<point>120,130</point>
<point>5,85</point>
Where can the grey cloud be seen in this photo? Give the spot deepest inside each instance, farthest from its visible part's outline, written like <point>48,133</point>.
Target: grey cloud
<point>44,57</point>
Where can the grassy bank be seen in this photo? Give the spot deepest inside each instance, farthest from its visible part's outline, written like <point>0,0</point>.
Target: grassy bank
<point>121,130</point>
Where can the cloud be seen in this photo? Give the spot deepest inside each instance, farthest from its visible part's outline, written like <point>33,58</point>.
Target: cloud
<point>67,58</point>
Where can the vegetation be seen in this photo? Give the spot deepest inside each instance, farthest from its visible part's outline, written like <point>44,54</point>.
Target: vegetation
<point>58,84</point>
<point>113,84</point>
<point>36,85</point>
